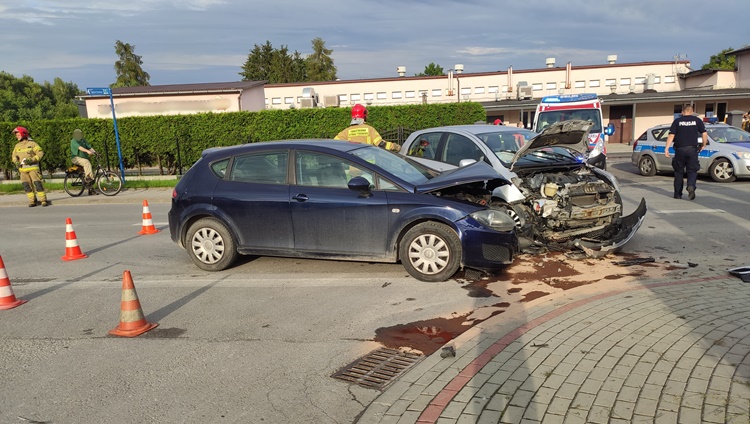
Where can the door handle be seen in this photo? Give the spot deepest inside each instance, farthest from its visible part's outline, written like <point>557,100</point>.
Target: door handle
<point>300,198</point>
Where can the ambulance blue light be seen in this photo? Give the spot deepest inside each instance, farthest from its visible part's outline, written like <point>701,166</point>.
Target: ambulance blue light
<point>566,98</point>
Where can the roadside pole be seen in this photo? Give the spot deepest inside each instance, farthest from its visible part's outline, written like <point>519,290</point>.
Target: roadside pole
<point>104,91</point>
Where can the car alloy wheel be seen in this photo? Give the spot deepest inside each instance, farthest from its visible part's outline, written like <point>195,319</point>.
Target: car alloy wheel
<point>431,252</point>
<point>211,245</point>
<point>722,171</point>
<point>647,166</point>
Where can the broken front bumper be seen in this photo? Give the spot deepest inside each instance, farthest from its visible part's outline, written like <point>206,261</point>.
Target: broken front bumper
<point>628,226</point>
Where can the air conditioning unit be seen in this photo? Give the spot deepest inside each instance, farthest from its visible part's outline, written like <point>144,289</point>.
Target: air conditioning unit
<point>524,91</point>
<point>306,103</point>
<point>330,101</point>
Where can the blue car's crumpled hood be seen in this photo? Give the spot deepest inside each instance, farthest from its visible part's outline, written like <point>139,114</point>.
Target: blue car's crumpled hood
<point>473,173</point>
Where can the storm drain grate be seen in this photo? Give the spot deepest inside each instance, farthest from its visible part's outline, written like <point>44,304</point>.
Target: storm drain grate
<point>378,368</point>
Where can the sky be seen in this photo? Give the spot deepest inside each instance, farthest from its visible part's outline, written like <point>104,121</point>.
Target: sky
<point>194,41</point>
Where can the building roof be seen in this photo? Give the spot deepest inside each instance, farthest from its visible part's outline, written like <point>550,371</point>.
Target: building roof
<point>740,51</point>
<point>198,88</point>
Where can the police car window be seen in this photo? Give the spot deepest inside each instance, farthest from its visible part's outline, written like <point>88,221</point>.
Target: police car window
<point>261,168</point>
<point>661,134</point>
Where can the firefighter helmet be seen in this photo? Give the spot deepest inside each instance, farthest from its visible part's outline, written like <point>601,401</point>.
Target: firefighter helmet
<point>21,130</point>
<point>359,111</point>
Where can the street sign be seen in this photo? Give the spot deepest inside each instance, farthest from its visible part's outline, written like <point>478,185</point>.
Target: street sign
<point>103,91</point>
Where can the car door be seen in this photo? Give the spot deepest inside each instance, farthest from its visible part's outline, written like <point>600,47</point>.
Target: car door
<point>254,197</point>
<point>659,144</point>
<point>328,217</point>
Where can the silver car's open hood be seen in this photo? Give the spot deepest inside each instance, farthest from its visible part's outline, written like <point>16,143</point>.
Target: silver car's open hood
<point>572,134</point>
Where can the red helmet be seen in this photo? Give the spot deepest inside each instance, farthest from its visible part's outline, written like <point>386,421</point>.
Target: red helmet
<point>359,111</point>
<point>21,130</point>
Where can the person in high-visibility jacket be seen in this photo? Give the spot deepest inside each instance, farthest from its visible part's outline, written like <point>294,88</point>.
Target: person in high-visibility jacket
<point>26,155</point>
<point>360,132</point>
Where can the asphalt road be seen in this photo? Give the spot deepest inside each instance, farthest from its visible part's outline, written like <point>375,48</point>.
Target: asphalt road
<point>258,342</point>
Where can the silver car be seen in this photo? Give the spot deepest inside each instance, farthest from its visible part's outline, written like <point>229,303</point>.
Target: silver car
<point>725,158</point>
<point>557,200</point>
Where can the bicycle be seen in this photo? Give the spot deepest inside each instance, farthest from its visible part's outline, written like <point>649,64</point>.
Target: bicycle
<point>108,182</point>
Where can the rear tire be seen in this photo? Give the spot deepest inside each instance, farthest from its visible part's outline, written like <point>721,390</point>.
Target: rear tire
<point>73,184</point>
<point>210,245</point>
<point>109,183</point>
<point>431,252</point>
<point>647,166</point>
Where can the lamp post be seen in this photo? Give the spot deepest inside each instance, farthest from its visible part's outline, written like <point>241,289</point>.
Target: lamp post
<point>623,119</point>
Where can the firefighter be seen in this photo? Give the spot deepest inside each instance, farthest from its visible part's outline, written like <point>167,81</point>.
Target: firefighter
<point>26,155</point>
<point>360,132</point>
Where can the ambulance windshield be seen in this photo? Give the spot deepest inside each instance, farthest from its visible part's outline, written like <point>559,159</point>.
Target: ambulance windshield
<point>548,118</point>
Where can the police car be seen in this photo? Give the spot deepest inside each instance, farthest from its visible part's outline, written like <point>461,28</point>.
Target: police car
<point>725,158</point>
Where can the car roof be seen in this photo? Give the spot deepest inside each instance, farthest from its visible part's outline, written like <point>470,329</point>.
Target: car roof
<point>476,128</point>
<point>342,146</point>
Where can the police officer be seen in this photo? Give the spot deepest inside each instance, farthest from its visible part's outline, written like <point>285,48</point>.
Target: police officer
<point>26,155</point>
<point>360,132</point>
<point>686,131</point>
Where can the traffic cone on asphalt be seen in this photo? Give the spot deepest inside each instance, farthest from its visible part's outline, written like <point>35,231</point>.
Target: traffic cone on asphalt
<point>148,223</point>
<point>72,250</point>
<point>7,298</point>
<point>132,322</point>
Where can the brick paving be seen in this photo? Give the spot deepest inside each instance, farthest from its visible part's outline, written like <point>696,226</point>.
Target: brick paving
<point>662,351</point>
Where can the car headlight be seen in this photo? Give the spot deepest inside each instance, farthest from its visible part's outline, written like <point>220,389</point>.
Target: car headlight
<point>495,219</point>
<point>742,155</point>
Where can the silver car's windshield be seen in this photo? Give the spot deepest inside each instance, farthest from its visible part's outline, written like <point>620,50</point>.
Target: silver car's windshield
<point>505,144</point>
<point>405,169</point>
<point>728,134</point>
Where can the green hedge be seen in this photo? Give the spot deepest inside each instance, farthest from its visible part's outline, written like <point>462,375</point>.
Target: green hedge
<point>160,140</point>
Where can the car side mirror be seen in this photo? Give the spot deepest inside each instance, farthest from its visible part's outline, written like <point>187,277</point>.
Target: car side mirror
<point>361,185</point>
<point>465,162</point>
<point>609,129</point>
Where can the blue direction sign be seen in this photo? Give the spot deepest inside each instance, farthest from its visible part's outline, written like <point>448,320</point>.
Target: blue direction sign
<point>104,91</point>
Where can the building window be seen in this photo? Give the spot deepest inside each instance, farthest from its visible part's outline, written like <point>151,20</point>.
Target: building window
<point>505,89</point>
<point>677,111</point>
<point>640,80</point>
<point>478,90</point>
<point>342,98</point>
<point>657,80</point>
<point>355,97</point>
<point>397,95</point>
<point>551,86</point>
<point>536,86</point>
<point>609,82</point>
<point>422,93</point>
<point>580,84</point>
<point>410,94</point>
<point>369,96</point>
<point>466,91</point>
<point>266,101</point>
<point>594,83</point>
<point>382,95</point>
<point>624,81</point>
<point>492,89</point>
<point>437,92</point>
<point>669,79</point>
<point>288,100</point>
<point>276,101</point>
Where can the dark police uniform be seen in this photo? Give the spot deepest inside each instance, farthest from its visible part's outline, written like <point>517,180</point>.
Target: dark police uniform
<point>687,132</point>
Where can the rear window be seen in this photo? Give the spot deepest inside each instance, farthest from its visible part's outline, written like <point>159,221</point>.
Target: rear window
<point>220,168</point>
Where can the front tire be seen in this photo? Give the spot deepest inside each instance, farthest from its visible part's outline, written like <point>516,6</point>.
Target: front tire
<point>647,166</point>
<point>722,171</point>
<point>73,184</point>
<point>431,252</point>
<point>109,183</point>
<point>210,245</point>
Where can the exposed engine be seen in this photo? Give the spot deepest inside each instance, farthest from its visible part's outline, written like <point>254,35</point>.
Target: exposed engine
<point>564,205</point>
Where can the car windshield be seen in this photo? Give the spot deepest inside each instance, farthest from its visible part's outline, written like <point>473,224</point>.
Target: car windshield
<point>548,118</point>
<point>727,134</point>
<point>505,144</point>
<point>401,167</point>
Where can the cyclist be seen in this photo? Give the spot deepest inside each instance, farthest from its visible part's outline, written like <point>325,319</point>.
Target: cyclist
<point>80,149</point>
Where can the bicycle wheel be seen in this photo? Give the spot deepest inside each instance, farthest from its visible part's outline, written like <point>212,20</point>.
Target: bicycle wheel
<point>73,184</point>
<point>109,183</point>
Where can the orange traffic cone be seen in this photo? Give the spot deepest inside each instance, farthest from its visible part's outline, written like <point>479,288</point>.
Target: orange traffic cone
<point>132,322</point>
<point>72,250</point>
<point>148,223</point>
<point>7,298</point>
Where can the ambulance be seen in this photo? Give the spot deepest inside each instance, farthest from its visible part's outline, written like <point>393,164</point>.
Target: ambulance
<point>587,107</point>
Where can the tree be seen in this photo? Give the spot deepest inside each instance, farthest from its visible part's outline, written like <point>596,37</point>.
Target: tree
<point>431,70</point>
<point>22,99</point>
<point>264,63</point>
<point>721,60</point>
<point>319,64</point>
<point>128,68</point>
